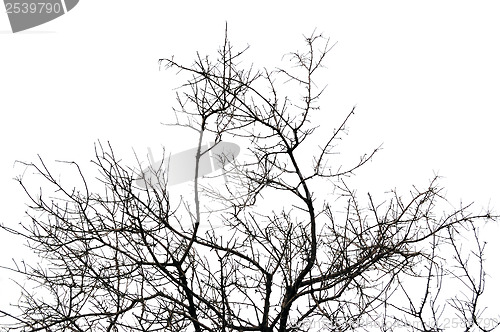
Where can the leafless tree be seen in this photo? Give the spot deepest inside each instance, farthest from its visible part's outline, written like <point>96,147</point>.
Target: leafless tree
<point>282,244</point>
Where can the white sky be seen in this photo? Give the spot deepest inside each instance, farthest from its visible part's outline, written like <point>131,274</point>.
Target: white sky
<point>425,77</point>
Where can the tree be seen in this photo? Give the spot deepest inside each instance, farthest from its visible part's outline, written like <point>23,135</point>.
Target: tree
<point>282,244</point>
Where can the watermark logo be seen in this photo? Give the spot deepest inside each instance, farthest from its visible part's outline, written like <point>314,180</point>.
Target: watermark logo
<point>181,167</point>
<point>26,14</point>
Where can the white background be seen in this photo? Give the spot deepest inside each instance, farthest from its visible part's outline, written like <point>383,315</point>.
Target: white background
<point>425,77</point>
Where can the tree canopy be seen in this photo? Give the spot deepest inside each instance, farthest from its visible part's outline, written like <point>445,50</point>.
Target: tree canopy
<point>272,238</point>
